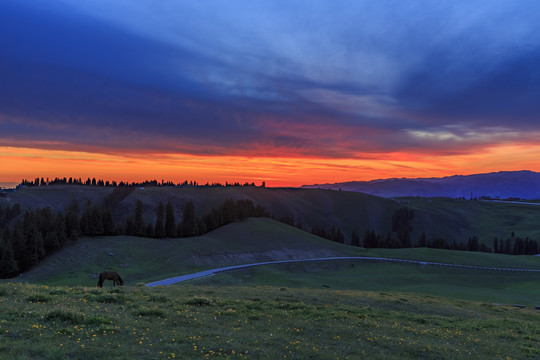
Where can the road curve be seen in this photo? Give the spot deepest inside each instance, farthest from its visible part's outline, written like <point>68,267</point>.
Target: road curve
<point>211,272</point>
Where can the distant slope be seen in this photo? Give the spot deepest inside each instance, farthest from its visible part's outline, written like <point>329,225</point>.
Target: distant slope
<point>504,184</point>
<point>142,259</point>
<point>345,210</point>
<point>451,219</point>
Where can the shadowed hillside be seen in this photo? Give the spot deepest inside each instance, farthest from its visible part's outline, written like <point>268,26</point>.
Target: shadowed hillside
<point>452,219</point>
<point>142,259</point>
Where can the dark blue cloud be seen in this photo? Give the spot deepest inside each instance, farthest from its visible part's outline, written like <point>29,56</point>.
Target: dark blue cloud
<point>228,77</point>
<point>503,95</point>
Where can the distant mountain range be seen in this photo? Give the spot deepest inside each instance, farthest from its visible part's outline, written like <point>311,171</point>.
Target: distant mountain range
<point>505,184</point>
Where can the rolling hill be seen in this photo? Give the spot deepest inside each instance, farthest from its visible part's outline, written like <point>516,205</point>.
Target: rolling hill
<point>452,219</point>
<point>142,260</point>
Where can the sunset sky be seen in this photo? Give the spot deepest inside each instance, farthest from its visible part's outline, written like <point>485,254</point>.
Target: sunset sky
<point>287,92</point>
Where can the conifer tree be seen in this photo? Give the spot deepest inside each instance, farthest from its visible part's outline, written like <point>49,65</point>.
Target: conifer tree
<point>8,264</point>
<point>170,222</point>
<point>107,221</point>
<point>159,228</point>
<point>33,238</point>
<point>72,221</point>
<point>188,226</point>
<point>60,228</point>
<point>140,228</point>
<point>355,238</point>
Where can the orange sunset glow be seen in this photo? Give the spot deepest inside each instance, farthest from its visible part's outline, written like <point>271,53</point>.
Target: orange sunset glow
<point>19,163</point>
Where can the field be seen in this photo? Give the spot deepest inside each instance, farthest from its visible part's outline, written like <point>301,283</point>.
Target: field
<point>318,310</point>
<point>141,260</point>
<point>253,322</point>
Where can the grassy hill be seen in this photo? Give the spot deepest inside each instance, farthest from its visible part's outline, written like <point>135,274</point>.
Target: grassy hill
<point>452,219</point>
<point>141,260</point>
<point>460,219</point>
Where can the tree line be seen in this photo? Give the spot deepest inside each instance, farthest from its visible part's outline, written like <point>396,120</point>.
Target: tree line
<point>26,238</point>
<point>106,183</point>
<point>399,236</point>
<point>40,232</point>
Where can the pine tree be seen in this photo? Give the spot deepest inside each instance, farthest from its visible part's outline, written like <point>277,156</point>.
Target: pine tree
<point>188,226</point>
<point>170,222</point>
<point>159,228</point>
<point>72,220</point>
<point>96,221</point>
<point>33,238</point>
<point>140,229</point>
<point>60,228</point>
<point>107,221</point>
<point>423,241</point>
<point>8,264</point>
<point>19,245</point>
<point>355,238</point>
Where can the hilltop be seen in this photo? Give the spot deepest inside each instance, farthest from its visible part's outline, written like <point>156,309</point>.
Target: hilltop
<point>505,184</point>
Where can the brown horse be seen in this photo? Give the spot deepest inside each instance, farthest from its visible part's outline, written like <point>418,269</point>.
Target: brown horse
<point>110,275</point>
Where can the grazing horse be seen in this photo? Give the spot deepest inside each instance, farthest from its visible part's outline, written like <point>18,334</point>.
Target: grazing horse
<point>110,275</point>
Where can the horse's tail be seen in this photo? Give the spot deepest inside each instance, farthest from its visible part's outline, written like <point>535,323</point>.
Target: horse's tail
<point>101,279</point>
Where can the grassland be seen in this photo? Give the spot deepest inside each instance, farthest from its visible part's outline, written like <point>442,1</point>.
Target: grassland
<point>326,310</point>
<point>485,286</point>
<point>142,260</point>
<point>197,322</point>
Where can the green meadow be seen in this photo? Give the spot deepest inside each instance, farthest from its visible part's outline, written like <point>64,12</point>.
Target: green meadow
<point>316,310</point>
<point>256,322</point>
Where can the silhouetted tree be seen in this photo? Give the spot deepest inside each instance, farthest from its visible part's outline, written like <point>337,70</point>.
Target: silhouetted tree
<point>8,264</point>
<point>371,240</point>
<point>140,228</point>
<point>423,241</point>
<point>170,221</point>
<point>107,221</point>
<point>33,238</point>
<point>60,228</point>
<point>401,224</point>
<point>159,228</point>
<point>188,226</point>
<point>72,221</point>
<point>355,238</point>
<point>473,244</point>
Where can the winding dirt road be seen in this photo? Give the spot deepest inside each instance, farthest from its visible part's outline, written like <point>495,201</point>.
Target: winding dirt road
<point>177,279</point>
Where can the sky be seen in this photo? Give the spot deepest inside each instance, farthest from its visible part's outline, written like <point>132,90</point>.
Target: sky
<point>287,92</point>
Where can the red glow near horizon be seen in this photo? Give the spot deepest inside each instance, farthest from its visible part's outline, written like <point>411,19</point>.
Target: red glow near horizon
<point>27,163</point>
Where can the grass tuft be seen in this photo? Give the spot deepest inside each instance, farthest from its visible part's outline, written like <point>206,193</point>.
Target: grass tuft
<point>108,299</point>
<point>198,301</point>
<point>158,298</point>
<point>64,316</point>
<point>98,320</point>
<point>38,298</point>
